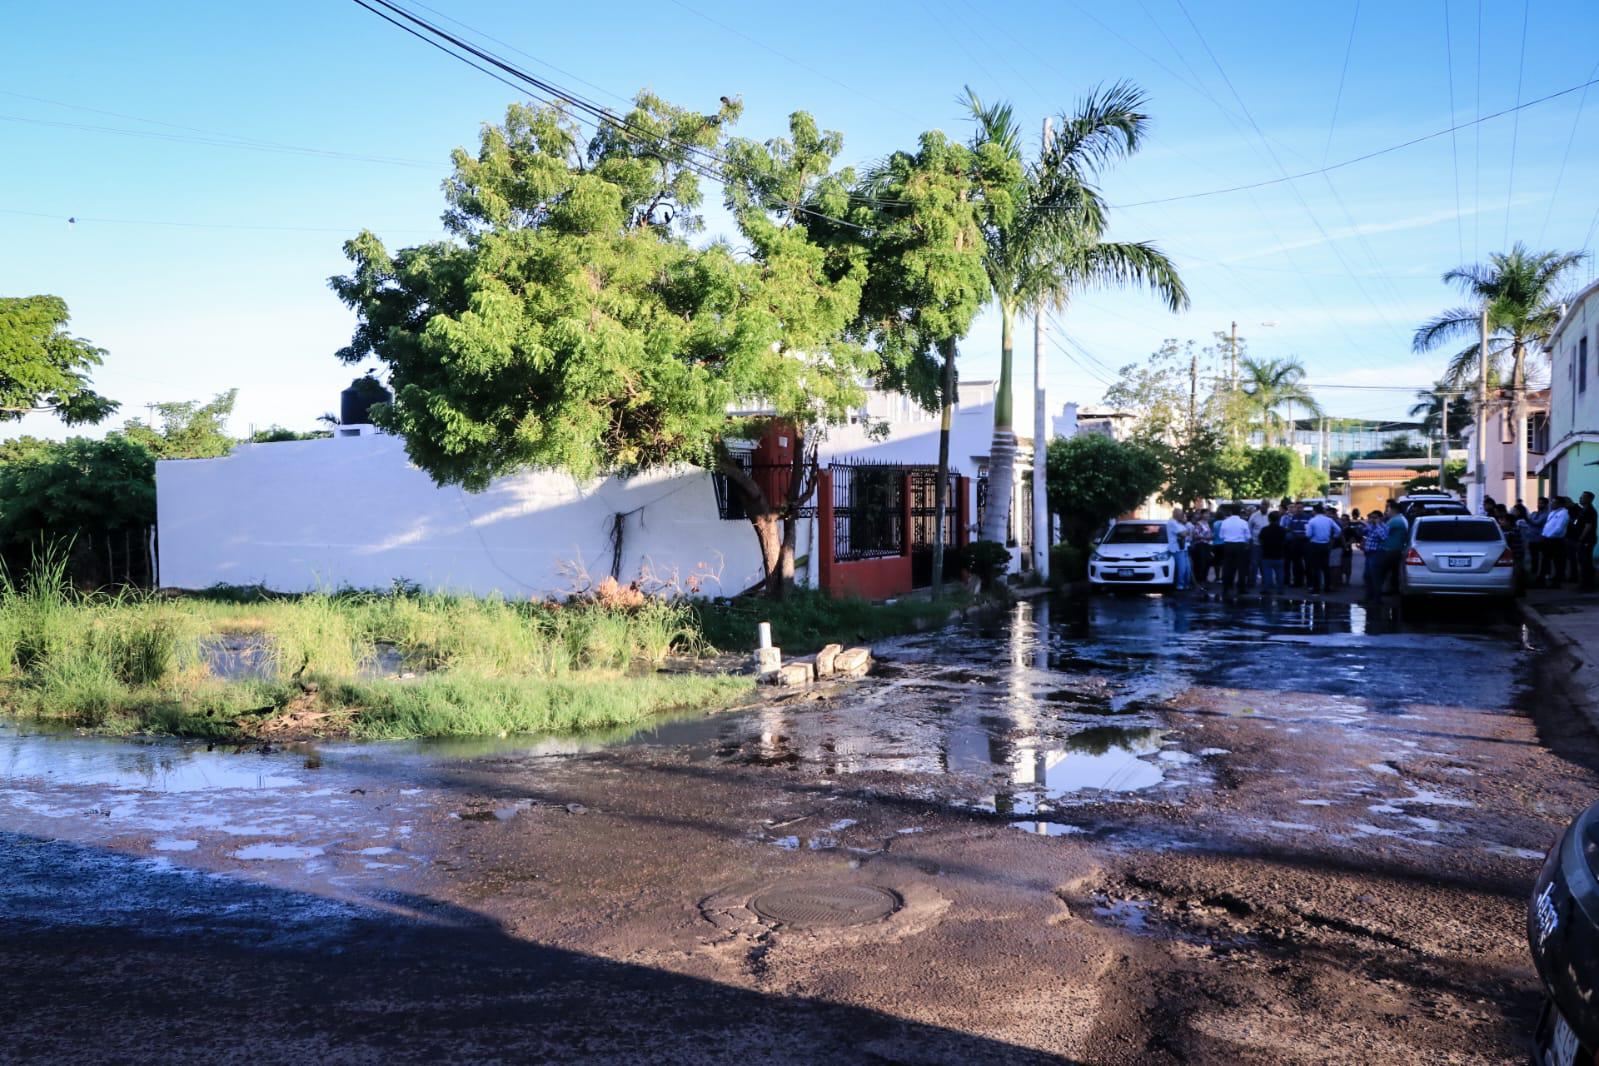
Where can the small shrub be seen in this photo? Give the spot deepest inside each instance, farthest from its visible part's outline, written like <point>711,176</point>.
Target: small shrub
<point>988,559</point>
<point>1067,562</point>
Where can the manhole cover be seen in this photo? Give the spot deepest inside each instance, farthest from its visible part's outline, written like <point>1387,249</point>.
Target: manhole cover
<point>825,906</point>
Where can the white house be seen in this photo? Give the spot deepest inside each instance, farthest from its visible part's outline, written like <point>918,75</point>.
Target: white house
<point>1570,464</point>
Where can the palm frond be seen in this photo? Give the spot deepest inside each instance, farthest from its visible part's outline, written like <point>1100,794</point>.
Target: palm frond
<point>1450,324</point>
<point>1107,124</point>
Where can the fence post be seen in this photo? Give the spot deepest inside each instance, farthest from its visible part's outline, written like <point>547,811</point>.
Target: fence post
<point>824,530</point>
<point>963,511</point>
<point>905,514</point>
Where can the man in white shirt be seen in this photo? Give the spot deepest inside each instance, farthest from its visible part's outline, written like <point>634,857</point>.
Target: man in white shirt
<point>1257,522</point>
<point>1177,544</point>
<point>1232,540</point>
<point>1322,531</point>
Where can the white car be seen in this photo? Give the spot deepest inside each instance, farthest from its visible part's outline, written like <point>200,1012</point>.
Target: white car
<point>1457,555</point>
<point>1133,553</point>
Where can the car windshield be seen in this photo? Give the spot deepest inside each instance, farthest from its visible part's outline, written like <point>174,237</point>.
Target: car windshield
<point>1457,530</point>
<point>1136,533</point>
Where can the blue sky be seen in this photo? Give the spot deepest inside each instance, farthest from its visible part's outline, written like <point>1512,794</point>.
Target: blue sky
<point>230,290</point>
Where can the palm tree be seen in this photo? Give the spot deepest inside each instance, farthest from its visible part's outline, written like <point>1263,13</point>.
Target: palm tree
<point>1429,407</point>
<point>1522,293</point>
<point>1265,387</point>
<point>1044,240</point>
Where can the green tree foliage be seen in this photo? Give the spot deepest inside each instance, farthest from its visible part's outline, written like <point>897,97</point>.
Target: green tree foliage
<point>1093,478</point>
<point>43,367</point>
<point>97,495</point>
<point>570,324</point>
<point>187,429</point>
<point>1157,390</point>
<point>1258,473</point>
<point>1429,407</point>
<point>1194,461</point>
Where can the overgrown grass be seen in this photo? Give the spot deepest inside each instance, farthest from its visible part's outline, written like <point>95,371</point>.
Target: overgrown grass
<point>805,620</point>
<point>130,662</point>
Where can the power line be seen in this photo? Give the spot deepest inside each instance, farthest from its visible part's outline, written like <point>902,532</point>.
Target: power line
<point>1343,73</point>
<point>1303,203</point>
<point>1454,147</point>
<point>1288,178</point>
<point>219,142</point>
<point>1566,155</point>
<point>76,219</point>
<point>1515,129</point>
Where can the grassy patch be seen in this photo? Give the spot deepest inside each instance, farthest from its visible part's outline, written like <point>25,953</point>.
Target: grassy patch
<point>806,620</point>
<point>136,663</point>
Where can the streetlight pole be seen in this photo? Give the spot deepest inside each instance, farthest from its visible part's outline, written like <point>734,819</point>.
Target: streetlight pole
<point>1042,525</point>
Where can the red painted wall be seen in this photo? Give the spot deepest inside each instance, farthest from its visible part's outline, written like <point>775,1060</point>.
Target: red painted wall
<point>874,579</point>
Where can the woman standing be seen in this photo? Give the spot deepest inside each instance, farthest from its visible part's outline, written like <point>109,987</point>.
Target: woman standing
<point>1200,536</point>
<point>1177,544</point>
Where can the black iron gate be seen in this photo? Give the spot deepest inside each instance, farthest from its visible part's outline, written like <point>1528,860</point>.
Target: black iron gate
<point>924,522</point>
<point>868,512</point>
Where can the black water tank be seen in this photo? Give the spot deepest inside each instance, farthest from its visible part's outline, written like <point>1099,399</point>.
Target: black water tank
<point>355,402</point>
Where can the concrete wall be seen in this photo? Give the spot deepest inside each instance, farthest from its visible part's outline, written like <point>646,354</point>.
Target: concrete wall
<point>297,515</point>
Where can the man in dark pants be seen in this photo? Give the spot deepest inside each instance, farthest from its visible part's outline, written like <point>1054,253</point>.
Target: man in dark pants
<point>1587,536</point>
<point>1294,523</point>
<point>1320,532</point>
<point>1374,555</point>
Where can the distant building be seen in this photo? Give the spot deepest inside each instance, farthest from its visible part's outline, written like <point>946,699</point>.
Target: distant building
<point>1373,482</point>
<point>1344,438</point>
<point>1499,479</point>
<point>1570,464</point>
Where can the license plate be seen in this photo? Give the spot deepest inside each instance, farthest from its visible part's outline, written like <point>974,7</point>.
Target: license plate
<point>1125,572</point>
<point>1563,1048</point>
<point>1459,562</point>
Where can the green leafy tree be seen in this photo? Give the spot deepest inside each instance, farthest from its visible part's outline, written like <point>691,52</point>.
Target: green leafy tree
<point>568,323</point>
<point>1045,239</point>
<point>1454,473</point>
<point>187,429</point>
<point>1524,293</point>
<point>96,495</point>
<point>1258,473</point>
<point>1266,388</point>
<point>1157,390</point>
<point>43,367</point>
<point>1194,461</point>
<point>1093,478</point>
<point>919,215</point>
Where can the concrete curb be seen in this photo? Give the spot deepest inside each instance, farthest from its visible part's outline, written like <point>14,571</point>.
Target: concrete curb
<point>1579,681</point>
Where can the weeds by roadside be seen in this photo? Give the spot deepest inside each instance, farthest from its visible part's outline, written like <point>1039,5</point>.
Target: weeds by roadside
<point>406,664</point>
<point>805,620</point>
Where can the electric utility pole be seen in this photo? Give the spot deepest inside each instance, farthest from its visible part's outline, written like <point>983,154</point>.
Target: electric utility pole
<point>1443,443</point>
<point>1232,376</point>
<point>1193,391</point>
<point>1042,521</point>
<point>1480,477</point>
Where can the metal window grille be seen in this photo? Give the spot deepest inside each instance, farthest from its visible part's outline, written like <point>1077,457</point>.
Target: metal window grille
<point>868,512</point>
<point>776,477</point>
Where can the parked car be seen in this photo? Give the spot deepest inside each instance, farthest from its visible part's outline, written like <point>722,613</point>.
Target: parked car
<point>1417,504</point>
<point>1457,555</point>
<point>1132,553</point>
<point>1563,933</point>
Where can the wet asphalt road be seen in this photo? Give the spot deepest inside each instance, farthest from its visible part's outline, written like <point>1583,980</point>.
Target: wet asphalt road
<point>1134,829</point>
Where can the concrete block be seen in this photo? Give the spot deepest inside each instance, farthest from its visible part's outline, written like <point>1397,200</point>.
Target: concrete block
<point>792,675</point>
<point>824,659</point>
<point>768,661</point>
<point>855,662</point>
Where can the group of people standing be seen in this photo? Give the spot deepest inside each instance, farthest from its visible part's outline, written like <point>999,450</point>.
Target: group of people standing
<point>1251,544</point>
<point>1553,543</point>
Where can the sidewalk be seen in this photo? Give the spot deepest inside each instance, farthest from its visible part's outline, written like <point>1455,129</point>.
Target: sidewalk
<point>1569,623</point>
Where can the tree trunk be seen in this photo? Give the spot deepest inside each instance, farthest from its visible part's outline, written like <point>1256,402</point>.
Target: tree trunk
<point>941,490</point>
<point>768,529</point>
<point>1002,452</point>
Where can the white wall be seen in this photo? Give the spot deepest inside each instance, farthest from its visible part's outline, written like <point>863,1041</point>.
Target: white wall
<point>297,515</point>
<point>353,511</point>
